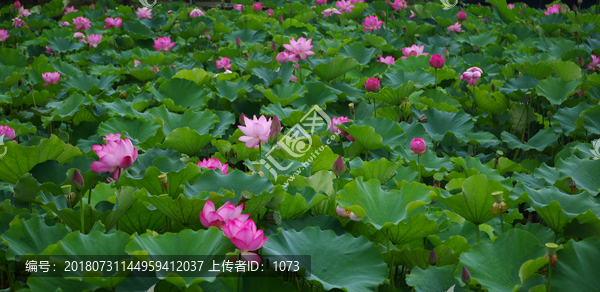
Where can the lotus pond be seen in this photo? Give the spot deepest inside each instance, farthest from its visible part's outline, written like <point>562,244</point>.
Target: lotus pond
<point>320,146</point>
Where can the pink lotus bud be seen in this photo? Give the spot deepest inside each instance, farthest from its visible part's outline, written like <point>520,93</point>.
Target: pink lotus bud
<point>154,69</point>
<point>280,19</point>
<point>465,276</point>
<point>92,7</point>
<point>78,181</point>
<point>274,131</point>
<point>446,53</point>
<point>242,119</point>
<point>372,84</point>
<point>461,16</point>
<point>270,12</point>
<point>436,61</point>
<point>418,146</point>
<point>238,41</point>
<point>274,47</point>
<point>105,9</point>
<point>257,7</point>
<point>478,4</point>
<point>338,166</point>
<point>291,10</point>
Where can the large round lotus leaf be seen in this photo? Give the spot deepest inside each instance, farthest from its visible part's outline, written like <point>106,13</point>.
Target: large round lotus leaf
<point>381,208</point>
<point>335,68</point>
<point>496,265</point>
<point>333,259</point>
<point>138,130</point>
<point>475,201</point>
<point>40,282</point>
<point>207,243</point>
<point>236,181</point>
<point>577,266</point>
<point>251,281</point>
<point>31,237</point>
<point>434,279</point>
<point>440,123</point>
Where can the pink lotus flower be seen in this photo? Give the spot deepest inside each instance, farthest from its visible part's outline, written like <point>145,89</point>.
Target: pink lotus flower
<point>7,131</point>
<point>65,23</point>
<point>581,92</point>
<point>208,216</point>
<point>196,13</point>
<point>345,214</point>
<point>82,23</point>
<point>144,13</point>
<point>270,12</point>
<point>594,64</point>
<point>94,39</point>
<point>17,4</point>
<point>213,163</point>
<point>321,2</point>
<point>511,6</point>
<point>170,11</point>
<point>372,84</point>
<point>51,78</point>
<point>344,6</point>
<point>69,10</point>
<point>372,23</point>
<point>389,60</point>
<point>3,35</point>
<point>223,63</point>
<point>337,130</point>
<point>357,1</point>
<point>113,22</point>
<point>136,63</point>
<point>399,5</point>
<point>49,50</point>
<point>437,61</point>
<point>412,15</point>
<point>418,146</point>
<point>256,131</point>
<point>117,154</point>
<point>24,12</point>
<point>163,44</point>
<point>554,9</point>
<point>256,7</point>
<point>286,57</point>
<point>456,27</point>
<point>293,78</point>
<point>471,75</point>
<point>239,7</point>
<point>301,47</point>
<point>246,237</point>
<point>17,22</point>
<point>80,36</point>
<point>330,11</point>
<point>461,16</point>
<point>413,50</point>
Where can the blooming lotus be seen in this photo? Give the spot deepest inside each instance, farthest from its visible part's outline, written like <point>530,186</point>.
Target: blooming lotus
<point>144,13</point>
<point>256,131</point>
<point>286,57</point>
<point>246,237</point>
<point>554,9</point>
<point>389,60</point>
<point>223,63</point>
<point>321,2</point>
<point>345,214</point>
<point>7,132</point>
<point>256,7</point>
<point>357,1</point>
<point>209,217</point>
<point>412,15</point>
<point>418,146</point>
<point>163,44</point>
<point>80,36</point>
<point>372,84</point>
<point>239,7</point>
<point>113,22</point>
<point>51,78</point>
<point>372,23</point>
<point>413,50</point>
<point>136,63</point>
<point>65,23</point>
<point>471,75</point>
<point>3,35</point>
<point>330,12</point>
<point>337,130</point>
<point>461,16</point>
<point>456,27</point>
<point>196,13</point>
<point>213,163</point>
<point>69,10</point>
<point>117,154</point>
<point>49,50</point>
<point>399,5</point>
<point>94,39</point>
<point>17,22</point>
<point>594,64</point>
<point>24,12</point>
<point>82,23</point>
<point>511,6</point>
<point>301,47</point>
<point>344,6</point>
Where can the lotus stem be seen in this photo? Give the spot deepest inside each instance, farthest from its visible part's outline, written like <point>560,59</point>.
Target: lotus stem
<point>391,273</point>
<point>436,86</point>
<point>478,236</point>
<point>502,220</point>
<point>549,275</point>
<point>82,203</point>
<point>419,167</point>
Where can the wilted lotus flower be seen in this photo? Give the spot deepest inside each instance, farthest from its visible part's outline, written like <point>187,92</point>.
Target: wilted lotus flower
<point>246,237</point>
<point>69,10</point>
<point>465,276</point>
<point>208,216</point>
<point>94,39</point>
<point>78,181</point>
<point>372,84</point>
<point>82,23</point>
<point>418,146</point>
<point>330,12</point>
<point>65,23</point>
<point>344,6</point>
<point>256,131</point>
<point>117,154</point>
<point>345,214</point>
<point>144,13</point>
<point>163,44</point>
<point>239,7</point>
<point>433,258</point>
<point>270,12</point>
<point>301,47</point>
<point>461,16</point>
<point>223,63</point>
<point>256,6</point>
<point>17,22</point>
<point>7,132</point>
<point>413,50</point>
<point>471,75</point>
<point>213,163</point>
<point>51,78</point>
<point>338,166</point>
<point>456,27</point>
<point>3,35</point>
<point>389,60</point>
<point>372,23</point>
<point>196,13</point>
<point>399,5</point>
<point>511,6</point>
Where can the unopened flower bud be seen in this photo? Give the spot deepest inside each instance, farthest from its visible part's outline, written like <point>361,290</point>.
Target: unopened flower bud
<point>387,2</point>
<point>433,258</point>
<point>485,20</point>
<point>105,9</point>
<point>291,10</point>
<point>446,53</point>
<point>580,62</point>
<point>275,131</point>
<point>493,87</point>
<point>465,276</point>
<point>78,181</point>
<point>492,9</point>
<point>382,13</point>
<point>154,69</point>
<point>392,17</point>
<point>242,119</point>
<point>338,166</point>
<point>579,1</point>
<point>280,19</point>
<point>92,7</point>
<point>238,41</point>
<point>274,47</point>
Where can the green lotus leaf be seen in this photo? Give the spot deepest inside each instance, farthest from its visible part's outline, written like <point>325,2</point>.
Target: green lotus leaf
<point>420,78</point>
<point>138,30</point>
<point>567,71</point>
<point>39,281</point>
<point>31,236</point>
<point>180,94</point>
<point>182,209</point>
<point>481,40</point>
<point>590,120</point>
<point>186,140</point>
<point>395,96</point>
<point>62,45</point>
<point>284,93</point>
<point>375,41</point>
<point>123,108</point>
<point>65,110</point>
<point>202,121</point>
<point>271,77</point>
<point>72,218</point>
<point>567,117</point>
<point>495,103</point>
<point>149,180</point>
<point>522,84</point>
<point>247,35</point>
<point>143,74</point>
<point>138,129</point>
<point>440,123</point>
<point>411,64</point>
<point>556,90</point>
<point>335,68</point>
<point>140,218</point>
<point>236,181</point>
<point>434,279</point>
<point>332,258</point>
<point>232,90</point>
<point>521,115</point>
<point>381,170</point>
<point>358,52</point>
<point>317,94</point>
<point>577,263</point>
<point>539,141</point>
